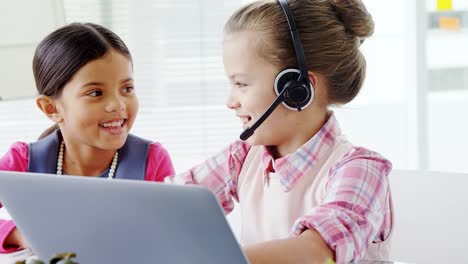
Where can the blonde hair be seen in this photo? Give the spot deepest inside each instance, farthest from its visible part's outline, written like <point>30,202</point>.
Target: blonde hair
<point>331,33</point>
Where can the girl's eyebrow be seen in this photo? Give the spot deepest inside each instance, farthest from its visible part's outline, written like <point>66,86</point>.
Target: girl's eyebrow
<point>233,76</point>
<point>127,80</point>
<point>102,84</point>
<point>93,84</point>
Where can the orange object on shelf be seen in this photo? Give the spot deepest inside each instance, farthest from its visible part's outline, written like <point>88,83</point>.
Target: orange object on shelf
<point>449,23</point>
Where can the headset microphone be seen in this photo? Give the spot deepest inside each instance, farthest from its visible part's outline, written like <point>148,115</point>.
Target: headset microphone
<point>250,130</point>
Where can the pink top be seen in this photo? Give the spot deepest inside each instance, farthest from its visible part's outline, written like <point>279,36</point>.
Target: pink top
<point>159,165</point>
<point>354,211</point>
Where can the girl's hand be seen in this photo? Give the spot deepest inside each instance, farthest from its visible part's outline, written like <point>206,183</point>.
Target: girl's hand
<point>15,239</point>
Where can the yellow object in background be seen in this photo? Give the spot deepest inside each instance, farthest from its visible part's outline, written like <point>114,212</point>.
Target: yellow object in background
<point>444,5</point>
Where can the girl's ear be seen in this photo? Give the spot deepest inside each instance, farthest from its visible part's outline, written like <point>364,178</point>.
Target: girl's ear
<point>48,106</point>
<point>320,85</point>
<point>312,78</point>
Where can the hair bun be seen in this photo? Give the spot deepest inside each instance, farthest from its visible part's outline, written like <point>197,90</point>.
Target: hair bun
<point>354,16</point>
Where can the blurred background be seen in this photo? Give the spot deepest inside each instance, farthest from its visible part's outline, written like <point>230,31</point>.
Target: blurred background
<point>411,108</point>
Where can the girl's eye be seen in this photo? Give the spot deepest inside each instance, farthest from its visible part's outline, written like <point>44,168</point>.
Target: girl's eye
<point>95,93</point>
<point>240,85</point>
<point>128,89</point>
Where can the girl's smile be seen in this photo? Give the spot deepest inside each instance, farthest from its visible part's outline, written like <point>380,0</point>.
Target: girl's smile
<point>114,126</point>
<point>245,119</point>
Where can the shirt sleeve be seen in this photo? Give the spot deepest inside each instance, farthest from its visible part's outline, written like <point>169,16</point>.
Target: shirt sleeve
<point>356,203</point>
<point>159,163</point>
<point>6,227</point>
<point>218,173</point>
<point>16,159</point>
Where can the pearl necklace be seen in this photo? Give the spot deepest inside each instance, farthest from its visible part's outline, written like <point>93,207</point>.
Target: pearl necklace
<point>60,162</point>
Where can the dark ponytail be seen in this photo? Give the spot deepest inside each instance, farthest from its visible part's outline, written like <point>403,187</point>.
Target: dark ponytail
<point>48,131</point>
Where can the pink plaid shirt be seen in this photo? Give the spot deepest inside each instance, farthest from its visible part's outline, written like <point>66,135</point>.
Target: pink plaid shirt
<point>356,210</point>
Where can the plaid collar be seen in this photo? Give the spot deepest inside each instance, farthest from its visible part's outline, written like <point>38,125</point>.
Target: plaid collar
<point>293,166</point>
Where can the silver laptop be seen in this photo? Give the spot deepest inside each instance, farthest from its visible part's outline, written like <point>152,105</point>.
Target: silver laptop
<point>118,221</point>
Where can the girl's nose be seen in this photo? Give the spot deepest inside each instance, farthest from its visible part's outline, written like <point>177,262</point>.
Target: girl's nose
<point>116,104</point>
<point>232,103</point>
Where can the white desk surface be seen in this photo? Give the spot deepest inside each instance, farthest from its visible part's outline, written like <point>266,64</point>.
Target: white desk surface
<point>11,258</point>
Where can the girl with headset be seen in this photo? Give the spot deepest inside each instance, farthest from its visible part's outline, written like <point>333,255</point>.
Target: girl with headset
<point>306,194</point>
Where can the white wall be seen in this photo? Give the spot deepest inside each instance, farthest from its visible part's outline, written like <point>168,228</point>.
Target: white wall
<point>448,131</point>
<point>431,212</point>
<point>23,23</point>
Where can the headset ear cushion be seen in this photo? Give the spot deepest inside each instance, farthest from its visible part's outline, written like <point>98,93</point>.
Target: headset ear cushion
<point>283,78</point>
<point>299,94</point>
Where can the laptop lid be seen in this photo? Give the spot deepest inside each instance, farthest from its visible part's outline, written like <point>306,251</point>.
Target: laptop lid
<point>118,221</point>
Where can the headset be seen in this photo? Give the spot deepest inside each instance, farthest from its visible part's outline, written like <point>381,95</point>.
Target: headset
<point>292,85</point>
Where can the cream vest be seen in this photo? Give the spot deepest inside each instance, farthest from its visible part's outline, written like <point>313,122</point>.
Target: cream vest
<point>268,211</point>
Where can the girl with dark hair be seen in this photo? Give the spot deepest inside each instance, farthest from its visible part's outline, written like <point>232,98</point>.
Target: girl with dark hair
<point>306,194</point>
<point>83,74</point>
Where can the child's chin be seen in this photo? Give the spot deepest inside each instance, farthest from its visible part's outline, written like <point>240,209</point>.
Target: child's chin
<point>253,141</point>
<point>116,144</point>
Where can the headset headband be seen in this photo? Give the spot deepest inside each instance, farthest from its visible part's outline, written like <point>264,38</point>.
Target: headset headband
<point>296,41</point>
